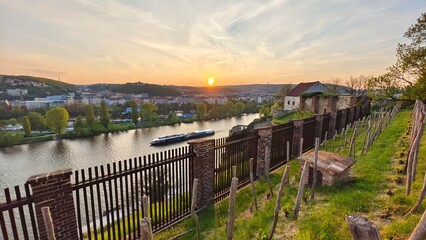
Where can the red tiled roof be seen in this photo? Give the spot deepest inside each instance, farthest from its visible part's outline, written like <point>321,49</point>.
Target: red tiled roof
<point>299,89</point>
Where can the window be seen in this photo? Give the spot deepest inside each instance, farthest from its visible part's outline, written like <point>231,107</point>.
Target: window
<point>288,102</point>
<point>293,103</point>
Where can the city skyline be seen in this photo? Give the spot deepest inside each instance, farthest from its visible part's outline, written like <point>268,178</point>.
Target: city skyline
<point>186,43</point>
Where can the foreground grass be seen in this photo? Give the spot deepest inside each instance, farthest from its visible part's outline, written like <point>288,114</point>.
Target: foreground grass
<point>373,192</point>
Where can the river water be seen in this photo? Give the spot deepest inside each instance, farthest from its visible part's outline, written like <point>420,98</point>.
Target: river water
<point>18,163</point>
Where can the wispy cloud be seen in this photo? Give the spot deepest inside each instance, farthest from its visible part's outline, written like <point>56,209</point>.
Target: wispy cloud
<point>167,42</point>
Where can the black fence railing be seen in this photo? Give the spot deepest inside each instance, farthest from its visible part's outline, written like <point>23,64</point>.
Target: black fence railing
<point>309,125</point>
<point>233,151</point>
<point>338,121</point>
<point>280,135</point>
<point>325,125</point>
<point>108,198</point>
<point>17,215</point>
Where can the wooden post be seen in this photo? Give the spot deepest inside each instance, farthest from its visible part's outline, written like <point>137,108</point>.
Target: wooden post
<point>146,232</point>
<point>362,229</point>
<point>48,223</point>
<point>278,203</point>
<point>193,205</point>
<point>314,177</point>
<point>301,147</point>
<point>267,163</point>
<point>144,206</point>
<point>364,143</point>
<point>300,191</point>
<point>252,184</point>
<point>419,232</point>
<point>325,140</point>
<point>334,138</point>
<point>234,171</point>
<point>420,199</point>
<point>351,146</point>
<point>231,209</point>
<point>145,225</point>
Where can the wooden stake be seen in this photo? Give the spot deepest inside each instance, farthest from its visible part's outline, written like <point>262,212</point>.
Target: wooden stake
<point>145,229</point>
<point>314,179</point>
<point>278,202</point>
<point>419,232</point>
<point>48,223</point>
<point>252,184</point>
<point>300,191</point>
<point>145,206</point>
<point>267,164</point>
<point>193,205</point>
<point>351,146</point>
<point>234,171</point>
<point>334,138</point>
<point>231,209</point>
<point>325,140</point>
<point>420,199</point>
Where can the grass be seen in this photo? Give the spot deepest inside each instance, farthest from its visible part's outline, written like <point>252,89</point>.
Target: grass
<point>373,192</point>
<point>292,116</point>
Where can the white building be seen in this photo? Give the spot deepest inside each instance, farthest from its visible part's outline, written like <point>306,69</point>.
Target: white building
<point>17,92</point>
<point>292,99</point>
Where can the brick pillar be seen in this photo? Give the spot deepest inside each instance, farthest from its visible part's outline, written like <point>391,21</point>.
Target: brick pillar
<point>54,190</point>
<point>332,104</point>
<point>265,141</point>
<point>342,123</point>
<point>332,124</point>
<point>315,104</point>
<point>318,126</point>
<point>357,112</point>
<point>297,135</point>
<point>204,170</point>
<point>351,114</point>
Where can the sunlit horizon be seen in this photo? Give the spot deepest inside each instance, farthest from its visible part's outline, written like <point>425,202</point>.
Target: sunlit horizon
<point>185,43</point>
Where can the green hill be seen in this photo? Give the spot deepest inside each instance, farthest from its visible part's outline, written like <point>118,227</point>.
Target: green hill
<point>36,86</point>
<point>151,89</point>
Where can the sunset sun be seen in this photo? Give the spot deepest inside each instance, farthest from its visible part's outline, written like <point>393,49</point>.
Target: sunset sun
<point>211,81</point>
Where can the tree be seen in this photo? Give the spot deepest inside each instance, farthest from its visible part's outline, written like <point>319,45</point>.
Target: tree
<point>239,108</point>
<point>105,118</point>
<point>148,112</point>
<point>383,87</point>
<point>201,111</point>
<point>79,125</point>
<point>357,85</point>
<point>90,115</point>
<point>57,120</point>
<point>27,126</point>
<point>284,90</point>
<point>134,113</point>
<point>333,86</point>
<point>265,111</point>
<point>410,67</point>
<point>37,121</point>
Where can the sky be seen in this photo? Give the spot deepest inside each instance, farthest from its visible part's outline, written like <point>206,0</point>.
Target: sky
<point>177,42</point>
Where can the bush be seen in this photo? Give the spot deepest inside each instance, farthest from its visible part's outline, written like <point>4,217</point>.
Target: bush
<point>8,138</point>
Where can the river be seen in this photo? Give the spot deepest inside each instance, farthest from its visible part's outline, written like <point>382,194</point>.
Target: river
<point>18,163</point>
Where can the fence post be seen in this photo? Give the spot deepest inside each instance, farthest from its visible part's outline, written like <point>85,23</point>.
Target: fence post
<point>204,170</point>
<point>342,124</point>
<point>318,126</point>
<point>54,190</point>
<point>332,124</point>
<point>264,142</point>
<point>297,135</point>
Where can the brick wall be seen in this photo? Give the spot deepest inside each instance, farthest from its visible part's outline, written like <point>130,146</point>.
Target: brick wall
<point>54,190</point>
<point>264,142</point>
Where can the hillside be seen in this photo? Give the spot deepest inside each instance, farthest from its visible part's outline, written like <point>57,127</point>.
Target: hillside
<point>36,86</point>
<point>137,88</point>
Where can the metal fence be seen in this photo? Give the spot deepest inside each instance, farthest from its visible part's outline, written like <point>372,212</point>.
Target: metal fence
<point>280,135</point>
<point>338,121</point>
<point>325,125</point>
<point>108,198</point>
<point>233,151</point>
<point>309,125</point>
<point>21,220</point>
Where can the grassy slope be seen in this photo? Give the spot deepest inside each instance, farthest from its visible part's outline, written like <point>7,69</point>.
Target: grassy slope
<point>324,217</point>
<point>292,116</point>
